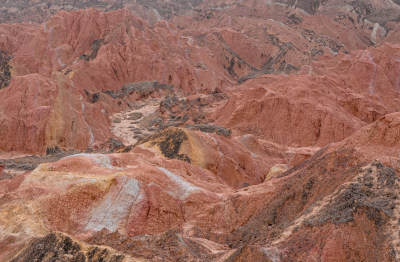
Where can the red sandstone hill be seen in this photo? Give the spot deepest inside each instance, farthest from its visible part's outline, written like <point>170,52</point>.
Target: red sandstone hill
<point>233,131</point>
<point>75,55</point>
<point>326,102</point>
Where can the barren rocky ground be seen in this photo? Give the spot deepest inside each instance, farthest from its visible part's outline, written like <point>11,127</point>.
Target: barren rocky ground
<point>214,130</point>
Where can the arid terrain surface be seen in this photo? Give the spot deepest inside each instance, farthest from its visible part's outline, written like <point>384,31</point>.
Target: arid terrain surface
<point>202,130</point>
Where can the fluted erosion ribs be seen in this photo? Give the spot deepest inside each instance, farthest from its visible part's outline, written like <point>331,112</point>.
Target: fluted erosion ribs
<point>240,130</point>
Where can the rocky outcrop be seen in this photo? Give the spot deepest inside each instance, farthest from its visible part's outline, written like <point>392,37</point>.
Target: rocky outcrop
<point>60,247</point>
<point>5,70</point>
<point>169,142</point>
<point>290,110</point>
<point>210,152</point>
<point>147,206</point>
<point>65,81</point>
<point>234,131</point>
<point>117,53</point>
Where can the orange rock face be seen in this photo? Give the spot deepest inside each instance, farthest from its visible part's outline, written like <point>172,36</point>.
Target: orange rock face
<point>318,106</point>
<point>233,131</point>
<point>76,54</point>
